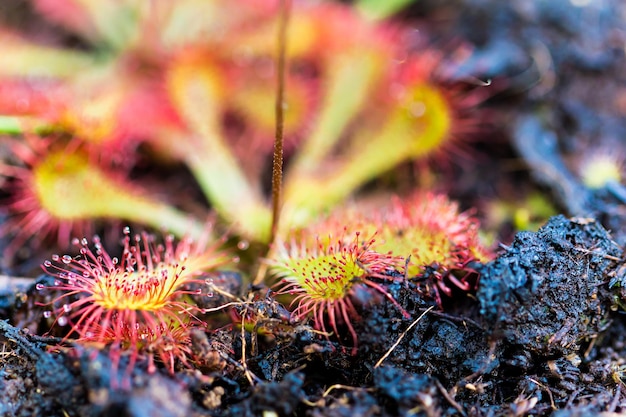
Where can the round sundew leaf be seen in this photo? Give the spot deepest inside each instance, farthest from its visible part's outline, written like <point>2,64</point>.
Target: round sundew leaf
<point>426,112</point>
<point>324,277</point>
<point>69,187</point>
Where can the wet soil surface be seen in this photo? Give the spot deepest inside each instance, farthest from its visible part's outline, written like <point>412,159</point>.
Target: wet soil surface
<point>543,334</point>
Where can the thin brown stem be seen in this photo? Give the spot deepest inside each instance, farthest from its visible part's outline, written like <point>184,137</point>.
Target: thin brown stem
<point>277,166</point>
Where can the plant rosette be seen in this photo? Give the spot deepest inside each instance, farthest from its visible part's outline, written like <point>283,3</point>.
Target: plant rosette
<point>140,303</point>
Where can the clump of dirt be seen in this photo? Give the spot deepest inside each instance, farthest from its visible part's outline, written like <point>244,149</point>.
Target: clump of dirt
<point>549,292</point>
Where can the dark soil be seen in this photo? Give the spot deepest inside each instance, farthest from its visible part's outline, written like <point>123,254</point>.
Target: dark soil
<point>543,334</point>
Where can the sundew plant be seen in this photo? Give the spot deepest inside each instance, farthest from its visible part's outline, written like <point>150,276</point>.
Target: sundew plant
<point>137,301</point>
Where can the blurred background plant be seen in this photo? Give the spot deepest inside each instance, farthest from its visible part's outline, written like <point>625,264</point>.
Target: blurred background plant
<point>131,86</point>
